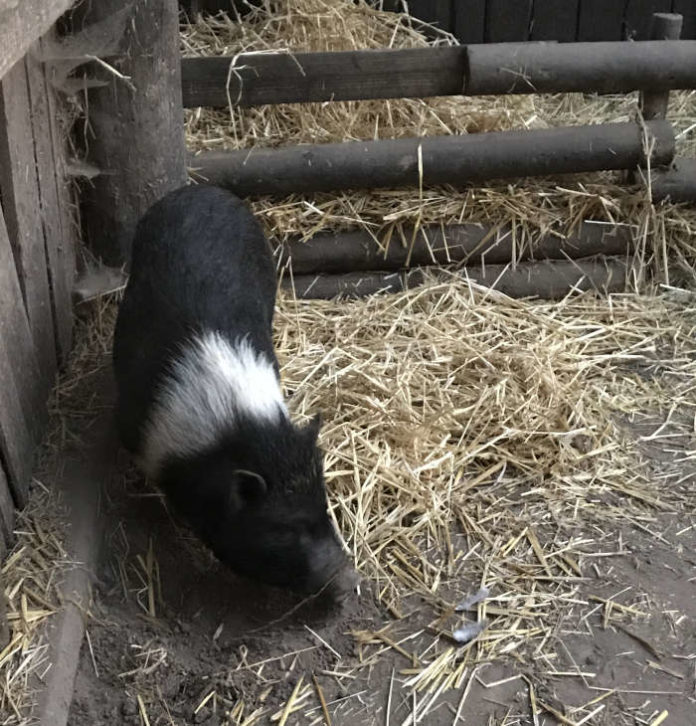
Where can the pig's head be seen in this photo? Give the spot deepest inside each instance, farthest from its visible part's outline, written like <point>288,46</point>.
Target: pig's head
<point>258,500</point>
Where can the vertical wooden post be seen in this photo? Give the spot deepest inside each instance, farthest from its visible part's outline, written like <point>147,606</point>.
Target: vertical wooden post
<point>666,26</point>
<point>137,124</point>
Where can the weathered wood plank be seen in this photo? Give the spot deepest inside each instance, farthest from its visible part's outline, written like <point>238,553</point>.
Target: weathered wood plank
<point>469,23</point>
<point>21,205</point>
<point>600,20</point>
<point>638,17</point>
<point>22,23</point>
<point>436,12</point>
<point>341,76</point>
<point>555,20</point>
<point>7,512</point>
<point>22,404</point>
<point>50,176</point>
<point>686,8</point>
<point>508,22</point>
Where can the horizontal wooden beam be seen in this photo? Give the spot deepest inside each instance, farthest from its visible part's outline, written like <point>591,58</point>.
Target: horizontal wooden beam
<point>550,279</point>
<point>497,68</point>
<point>23,23</point>
<point>456,160</point>
<point>253,79</point>
<point>650,65</point>
<point>359,250</point>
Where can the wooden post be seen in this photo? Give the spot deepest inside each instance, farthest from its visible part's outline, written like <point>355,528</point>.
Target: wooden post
<point>666,26</point>
<point>136,122</point>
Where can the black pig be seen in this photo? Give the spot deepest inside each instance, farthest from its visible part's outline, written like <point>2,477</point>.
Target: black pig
<point>199,402</point>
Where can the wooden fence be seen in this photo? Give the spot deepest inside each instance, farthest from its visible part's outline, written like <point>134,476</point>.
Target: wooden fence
<point>501,21</point>
<point>37,252</point>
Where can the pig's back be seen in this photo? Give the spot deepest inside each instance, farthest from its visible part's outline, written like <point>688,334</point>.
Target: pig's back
<point>199,262</point>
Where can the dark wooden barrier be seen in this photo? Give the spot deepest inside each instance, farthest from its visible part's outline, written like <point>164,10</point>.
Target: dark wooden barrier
<point>333,252</point>
<point>303,77</point>
<point>37,251</point>
<point>677,183</point>
<point>580,67</point>
<point>437,160</point>
<point>546,279</point>
<point>421,72</point>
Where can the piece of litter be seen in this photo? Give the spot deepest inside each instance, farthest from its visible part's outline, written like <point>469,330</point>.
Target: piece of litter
<point>468,602</point>
<point>467,633</point>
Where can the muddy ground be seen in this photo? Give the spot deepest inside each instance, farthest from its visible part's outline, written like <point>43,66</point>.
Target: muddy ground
<point>176,639</point>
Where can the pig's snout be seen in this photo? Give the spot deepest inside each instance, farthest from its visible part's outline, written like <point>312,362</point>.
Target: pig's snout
<point>331,572</point>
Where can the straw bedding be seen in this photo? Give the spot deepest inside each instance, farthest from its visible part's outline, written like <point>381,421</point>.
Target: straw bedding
<point>470,439</point>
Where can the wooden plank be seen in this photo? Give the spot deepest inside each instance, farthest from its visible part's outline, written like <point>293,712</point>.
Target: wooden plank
<point>22,23</point>
<point>469,22</point>
<point>600,20</point>
<point>435,12</point>
<point>686,8</point>
<point>555,20</point>
<point>638,17</point>
<point>508,22</point>
<point>340,76</point>
<point>20,197</point>
<point>22,406</point>
<point>50,176</point>
<point>7,513</point>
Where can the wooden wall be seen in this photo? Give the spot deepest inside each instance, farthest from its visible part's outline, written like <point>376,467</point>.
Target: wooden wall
<point>36,271</point>
<point>500,21</point>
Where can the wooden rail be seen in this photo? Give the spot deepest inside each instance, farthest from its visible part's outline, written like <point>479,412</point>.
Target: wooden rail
<point>264,78</point>
<point>434,160</point>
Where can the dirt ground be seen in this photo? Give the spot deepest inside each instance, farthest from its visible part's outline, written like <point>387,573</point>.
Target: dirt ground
<point>173,638</point>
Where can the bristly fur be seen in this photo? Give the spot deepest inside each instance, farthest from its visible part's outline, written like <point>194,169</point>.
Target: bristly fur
<point>211,384</point>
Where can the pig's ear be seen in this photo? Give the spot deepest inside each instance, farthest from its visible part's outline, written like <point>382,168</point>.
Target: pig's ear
<point>311,430</point>
<point>246,488</point>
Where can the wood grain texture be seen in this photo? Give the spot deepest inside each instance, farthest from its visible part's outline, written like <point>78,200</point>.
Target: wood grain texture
<point>48,147</point>
<point>22,402</point>
<point>22,23</point>
<point>469,20</point>
<point>508,22</point>
<point>304,77</point>
<point>138,126</point>
<point>687,9</point>
<point>555,20</point>
<point>600,20</point>
<point>7,514</point>
<point>21,207</point>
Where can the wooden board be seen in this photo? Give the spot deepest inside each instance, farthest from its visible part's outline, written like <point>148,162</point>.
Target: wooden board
<point>687,8</point>
<point>638,17</point>
<point>555,20</point>
<point>342,76</point>
<point>7,514</point>
<point>22,23</point>
<point>600,20</point>
<point>508,22</point>
<point>469,21</point>
<point>22,405</point>
<point>21,205</point>
<point>436,12</point>
<point>49,171</point>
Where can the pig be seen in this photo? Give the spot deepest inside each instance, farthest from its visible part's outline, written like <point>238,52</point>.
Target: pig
<point>199,403</point>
